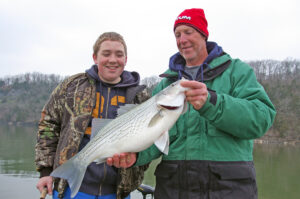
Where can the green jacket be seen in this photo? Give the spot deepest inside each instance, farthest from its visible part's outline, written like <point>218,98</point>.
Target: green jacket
<point>237,111</point>
<point>64,120</point>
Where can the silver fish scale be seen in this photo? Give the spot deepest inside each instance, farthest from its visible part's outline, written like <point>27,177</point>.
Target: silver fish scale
<point>125,125</point>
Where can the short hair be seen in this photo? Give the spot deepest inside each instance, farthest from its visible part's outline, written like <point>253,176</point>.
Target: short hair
<point>110,36</point>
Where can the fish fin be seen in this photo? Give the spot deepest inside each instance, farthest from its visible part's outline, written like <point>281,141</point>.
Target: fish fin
<point>98,124</point>
<point>73,171</point>
<point>155,119</point>
<point>163,143</point>
<point>124,109</point>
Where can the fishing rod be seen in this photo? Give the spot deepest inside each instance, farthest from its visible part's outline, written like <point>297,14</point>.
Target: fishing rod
<point>44,193</point>
<point>145,190</point>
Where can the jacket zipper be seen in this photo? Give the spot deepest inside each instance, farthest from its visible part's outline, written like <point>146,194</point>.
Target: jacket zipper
<point>104,176</point>
<point>107,102</point>
<point>104,165</point>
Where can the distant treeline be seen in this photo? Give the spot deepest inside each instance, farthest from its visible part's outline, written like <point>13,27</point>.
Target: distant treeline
<point>22,97</point>
<point>281,81</point>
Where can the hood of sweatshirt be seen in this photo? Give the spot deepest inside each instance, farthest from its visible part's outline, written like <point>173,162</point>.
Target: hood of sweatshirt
<point>177,62</point>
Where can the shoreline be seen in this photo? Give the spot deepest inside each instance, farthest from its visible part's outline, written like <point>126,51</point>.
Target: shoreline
<point>280,141</point>
<point>263,140</point>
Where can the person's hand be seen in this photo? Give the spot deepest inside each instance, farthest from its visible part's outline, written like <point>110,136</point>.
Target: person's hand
<point>197,94</point>
<point>123,160</point>
<point>45,182</point>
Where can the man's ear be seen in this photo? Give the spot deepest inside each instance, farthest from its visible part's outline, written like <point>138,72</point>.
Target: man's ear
<point>125,60</point>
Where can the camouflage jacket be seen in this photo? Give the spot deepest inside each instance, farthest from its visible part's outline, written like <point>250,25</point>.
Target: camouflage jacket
<point>62,125</point>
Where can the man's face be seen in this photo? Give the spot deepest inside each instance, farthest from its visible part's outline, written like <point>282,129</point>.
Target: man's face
<point>191,45</point>
<point>111,60</point>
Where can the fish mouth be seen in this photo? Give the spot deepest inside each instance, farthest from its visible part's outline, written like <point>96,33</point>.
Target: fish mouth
<point>170,107</point>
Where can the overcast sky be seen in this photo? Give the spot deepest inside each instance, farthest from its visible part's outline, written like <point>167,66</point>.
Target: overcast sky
<point>56,36</point>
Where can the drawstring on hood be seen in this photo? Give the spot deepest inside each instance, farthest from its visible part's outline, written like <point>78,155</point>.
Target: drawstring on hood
<point>177,62</point>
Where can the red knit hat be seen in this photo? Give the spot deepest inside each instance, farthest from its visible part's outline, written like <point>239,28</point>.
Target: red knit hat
<point>195,18</point>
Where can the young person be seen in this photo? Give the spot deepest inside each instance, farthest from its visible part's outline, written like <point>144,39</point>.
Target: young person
<point>65,125</point>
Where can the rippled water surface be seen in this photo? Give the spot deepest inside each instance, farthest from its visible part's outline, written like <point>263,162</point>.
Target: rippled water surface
<point>277,167</point>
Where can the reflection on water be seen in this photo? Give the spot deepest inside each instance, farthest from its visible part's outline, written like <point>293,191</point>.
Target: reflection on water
<point>17,171</point>
<point>278,171</point>
<point>17,151</point>
<point>277,167</point>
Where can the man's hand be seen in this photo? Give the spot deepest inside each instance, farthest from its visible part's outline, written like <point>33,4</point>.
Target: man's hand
<point>197,94</point>
<point>45,182</point>
<point>123,160</point>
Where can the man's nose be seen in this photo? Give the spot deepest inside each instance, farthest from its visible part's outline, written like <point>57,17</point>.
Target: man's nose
<point>182,38</point>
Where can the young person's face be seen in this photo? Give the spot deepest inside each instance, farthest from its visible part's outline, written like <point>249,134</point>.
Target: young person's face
<point>191,45</point>
<point>111,60</point>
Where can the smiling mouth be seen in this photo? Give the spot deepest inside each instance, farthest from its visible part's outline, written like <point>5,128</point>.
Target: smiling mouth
<point>112,67</point>
<point>186,48</point>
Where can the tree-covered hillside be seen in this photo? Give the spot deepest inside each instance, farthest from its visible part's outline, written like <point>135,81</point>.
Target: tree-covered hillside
<point>23,96</point>
<point>281,81</point>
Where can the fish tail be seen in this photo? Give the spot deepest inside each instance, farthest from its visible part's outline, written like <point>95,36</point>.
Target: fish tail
<point>73,171</point>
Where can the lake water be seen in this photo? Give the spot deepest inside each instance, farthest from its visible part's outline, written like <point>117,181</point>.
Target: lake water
<point>277,167</point>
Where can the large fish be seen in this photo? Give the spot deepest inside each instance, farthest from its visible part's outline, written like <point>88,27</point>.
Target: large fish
<point>133,131</point>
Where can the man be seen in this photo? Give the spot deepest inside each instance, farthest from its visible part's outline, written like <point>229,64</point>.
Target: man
<point>211,145</point>
<point>65,125</point>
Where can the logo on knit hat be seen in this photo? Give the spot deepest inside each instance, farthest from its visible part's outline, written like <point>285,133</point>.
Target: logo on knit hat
<point>183,17</point>
<point>195,18</point>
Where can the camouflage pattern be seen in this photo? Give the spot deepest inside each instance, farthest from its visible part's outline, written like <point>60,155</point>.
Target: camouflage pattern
<point>124,186</point>
<point>63,122</point>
